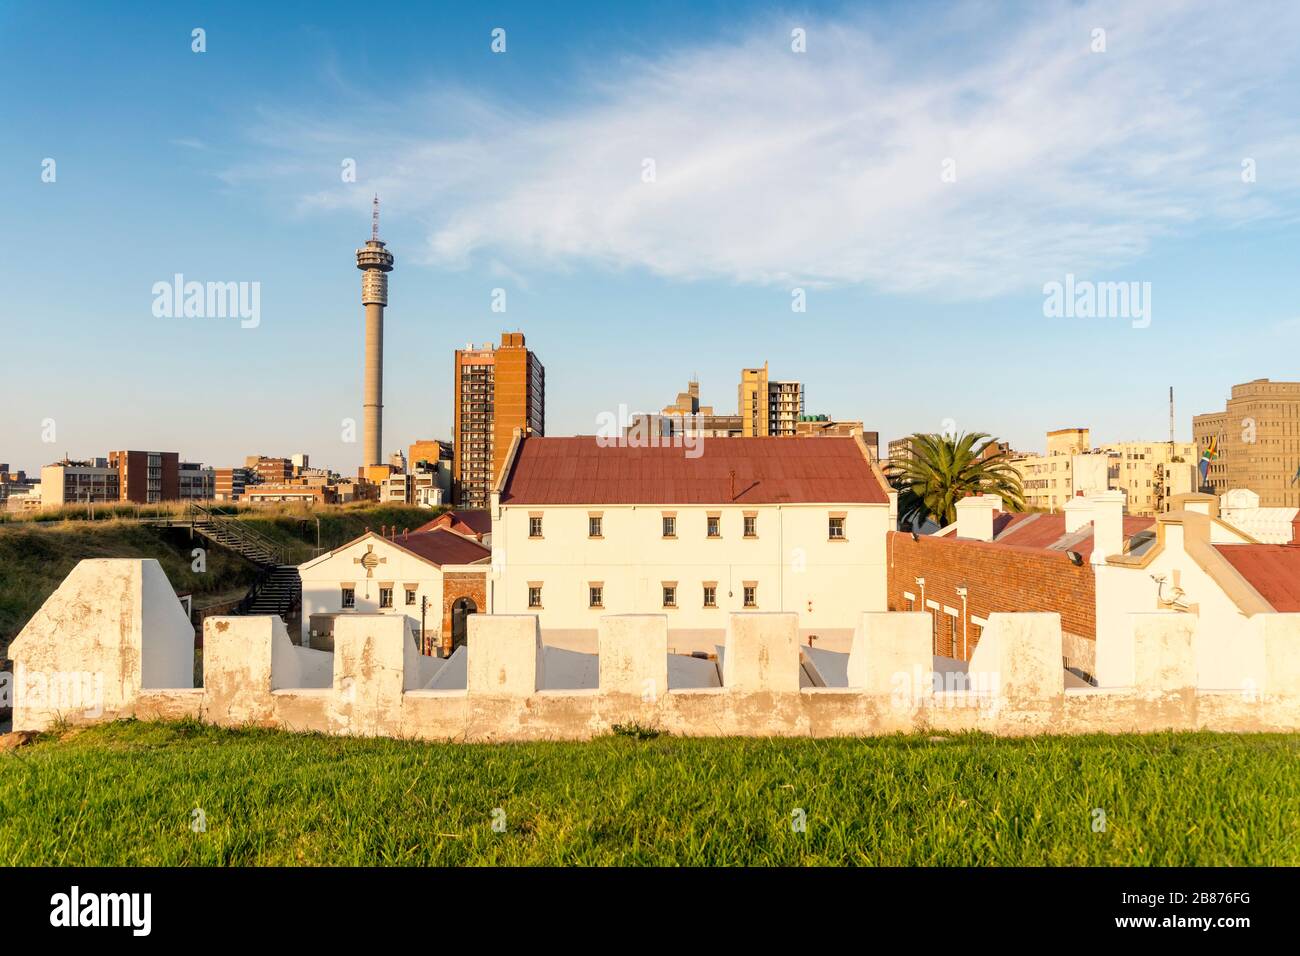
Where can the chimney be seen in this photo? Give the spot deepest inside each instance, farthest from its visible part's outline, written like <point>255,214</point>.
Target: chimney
<point>1107,524</point>
<point>1078,513</point>
<point>1295,530</point>
<point>975,516</point>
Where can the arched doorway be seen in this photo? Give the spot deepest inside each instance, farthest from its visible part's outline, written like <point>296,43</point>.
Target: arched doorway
<point>460,610</point>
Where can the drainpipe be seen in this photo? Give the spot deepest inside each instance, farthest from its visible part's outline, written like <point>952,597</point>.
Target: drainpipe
<point>961,592</point>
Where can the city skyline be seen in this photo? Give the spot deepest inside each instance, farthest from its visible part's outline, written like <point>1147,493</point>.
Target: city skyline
<point>626,288</point>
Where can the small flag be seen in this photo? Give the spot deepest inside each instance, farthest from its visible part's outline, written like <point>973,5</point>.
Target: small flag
<point>1210,454</point>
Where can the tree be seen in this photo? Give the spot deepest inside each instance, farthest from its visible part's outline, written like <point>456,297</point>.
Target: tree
<point>942,469</point>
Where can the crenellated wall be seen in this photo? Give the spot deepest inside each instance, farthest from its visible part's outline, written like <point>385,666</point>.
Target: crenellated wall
<point>373,683</point>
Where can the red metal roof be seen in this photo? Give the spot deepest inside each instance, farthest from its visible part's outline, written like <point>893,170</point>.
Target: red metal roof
<point>562,471</point>
<point>1047,531</point>
<point>1272,569</point>
<point>442,547</point>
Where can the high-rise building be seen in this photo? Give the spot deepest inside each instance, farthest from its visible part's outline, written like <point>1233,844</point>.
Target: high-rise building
<point>1254,443</point>
<point>147,477</point>
<point>375,262</point>
<point>768,407</point>
<point>497,389</point>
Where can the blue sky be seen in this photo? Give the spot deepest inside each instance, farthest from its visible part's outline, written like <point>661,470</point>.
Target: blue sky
<point>523,170</point>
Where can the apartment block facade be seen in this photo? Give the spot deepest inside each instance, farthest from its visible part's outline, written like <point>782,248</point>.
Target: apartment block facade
<point>768,407</point>
<point>498,389</point>
<point>1254,443</point>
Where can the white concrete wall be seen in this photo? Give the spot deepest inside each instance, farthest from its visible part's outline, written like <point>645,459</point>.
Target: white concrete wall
<point>1221,625</point>
<point>323,579</point>
<point>795,565</point>
<point>375,685</point>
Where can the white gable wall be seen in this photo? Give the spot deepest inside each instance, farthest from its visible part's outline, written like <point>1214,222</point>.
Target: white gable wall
<point>323,579</point>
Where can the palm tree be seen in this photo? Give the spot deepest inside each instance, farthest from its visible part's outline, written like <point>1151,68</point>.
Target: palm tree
<point>942,469</point>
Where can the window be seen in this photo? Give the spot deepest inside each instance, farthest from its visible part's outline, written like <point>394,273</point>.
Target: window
<point>751,526</point>
<point>349,597</point>
<point>670,526</point>
<point>410,596</point>
<point>535,526</point>
<point>670,595</point>
<point>715,526</point>
<point>837,529</point>
<point>386,597</point>
<point>751,595</point>
<point>534,595</point>
<point>710,595</point>
<point>596,595</point>
<point>593,526</point>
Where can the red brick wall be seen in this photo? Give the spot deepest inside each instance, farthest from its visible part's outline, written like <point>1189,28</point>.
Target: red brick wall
<point>997,578</point>
<point>456,585</point>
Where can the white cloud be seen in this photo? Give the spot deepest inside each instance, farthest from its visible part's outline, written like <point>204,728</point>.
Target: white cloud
<point>825,168</point>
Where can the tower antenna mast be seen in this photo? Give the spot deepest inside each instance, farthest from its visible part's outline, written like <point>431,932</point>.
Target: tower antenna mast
<point>374,219</point>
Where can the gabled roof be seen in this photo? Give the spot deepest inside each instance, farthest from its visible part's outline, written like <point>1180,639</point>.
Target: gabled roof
<point>1272,569</point>
<point>437,547</point>
<point>441,546</point>
<point>474,522</point>
<point>729,471</point>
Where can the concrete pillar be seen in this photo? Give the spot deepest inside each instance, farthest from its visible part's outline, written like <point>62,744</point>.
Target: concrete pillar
<point>634,655</point>
<point>375,662</point>
<point>1107,524</point>
<point>1020,655</point>
<point>888,644</point>
<point>112,627</point>
<point>1280,636</point>
<point>762,652</point>
<point>238,663</point>
<point>505,655</point>
<point>1164,658</point>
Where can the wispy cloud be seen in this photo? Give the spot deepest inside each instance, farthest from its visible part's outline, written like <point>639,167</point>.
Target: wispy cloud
<point>827,167</point>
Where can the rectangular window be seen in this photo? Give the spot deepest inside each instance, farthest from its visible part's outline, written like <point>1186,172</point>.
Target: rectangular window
<point>594,527</point>
<point>596,596</point>
<point>751,526</point>
<point>349,597</point>
<point>710,595</point>
<point>837,529</point>
<point>535,526</point>
<point>410,596</point>
<point>670,526</point>
<point>751,595</point>
<point>534,595</point>
<point>670,595</point>
<point>386,597</point>
<point>715,526</point>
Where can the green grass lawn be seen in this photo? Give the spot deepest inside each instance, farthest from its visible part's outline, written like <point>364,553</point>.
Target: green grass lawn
<point>125,793</point>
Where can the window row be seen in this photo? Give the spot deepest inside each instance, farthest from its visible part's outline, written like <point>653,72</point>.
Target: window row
<point>348,597</point>
<point>712,526</point>
<point>668,591</point>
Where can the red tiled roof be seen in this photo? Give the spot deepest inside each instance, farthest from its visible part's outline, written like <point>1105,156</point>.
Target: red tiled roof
<point>476,522</point>
<point>555,471</point>
<point>1272,569</point>
<point>441,547</point>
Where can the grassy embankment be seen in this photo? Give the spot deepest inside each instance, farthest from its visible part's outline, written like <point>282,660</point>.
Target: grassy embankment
<point>126,793</point>
<point>36,555</point>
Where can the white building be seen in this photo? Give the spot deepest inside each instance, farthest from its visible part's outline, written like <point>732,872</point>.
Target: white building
<point>436,576</point>
<point>582,529</point>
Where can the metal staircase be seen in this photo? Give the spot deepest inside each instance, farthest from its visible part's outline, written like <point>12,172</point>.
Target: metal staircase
<point>277,588</point>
